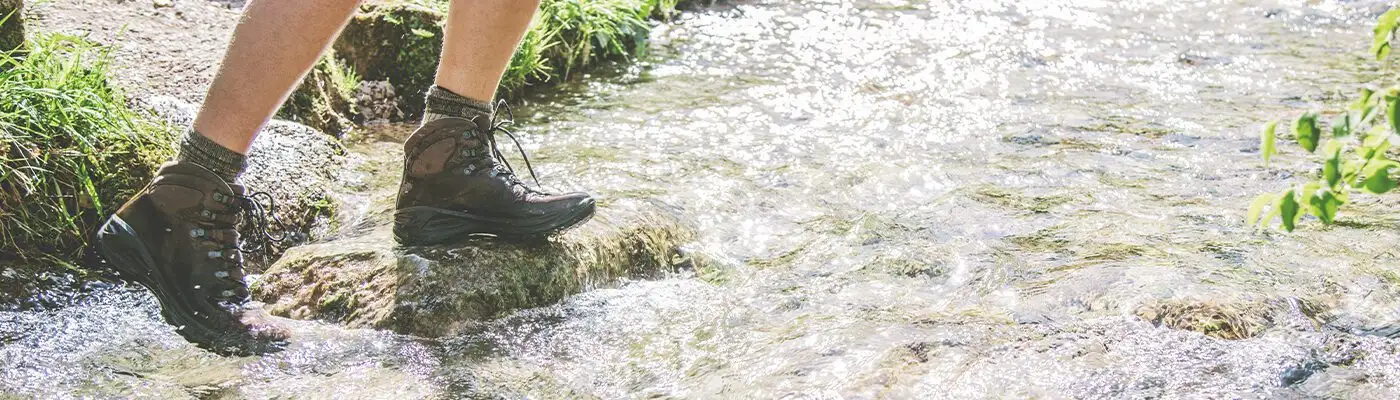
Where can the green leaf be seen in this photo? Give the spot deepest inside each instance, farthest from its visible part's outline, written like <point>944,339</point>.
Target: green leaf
<point>1273,212</point>
<point>1393,112</point>
<point>1385,28</point>
<point>1256,207</point>
<point>1306,129</point>
<point>1324,204</point>
<point>1361,102</point>
<point>1332,164</point>
<point>1378,177</point>
<point>1267,141</point>
<point>1341,126</point>
<point>1289,210</point>
<point>1376,139</point>
<point>1374,147</point>
<point>1368,113</point>
<point>1351,169</point>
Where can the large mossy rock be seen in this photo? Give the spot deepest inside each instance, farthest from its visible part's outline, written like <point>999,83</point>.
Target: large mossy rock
<point>12,29</point>
<point>364,280</point>
<point>386,41</point>
<point>394,41</point>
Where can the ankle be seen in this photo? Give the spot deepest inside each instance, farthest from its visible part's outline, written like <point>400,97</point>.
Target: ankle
<point>200,150</point>
<point>443,103</point>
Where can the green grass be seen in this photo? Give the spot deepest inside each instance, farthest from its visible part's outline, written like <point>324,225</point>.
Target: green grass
<point>568,36</point>
<point>343,78</point>
<point>70,148</point>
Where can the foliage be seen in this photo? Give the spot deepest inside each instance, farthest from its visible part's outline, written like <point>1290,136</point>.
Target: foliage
<point>342,77</point>
<point>70,148</point>
<point>400,40</point>
<point>1353,150</point>
<point>324,99</point>
<point>567,36</point>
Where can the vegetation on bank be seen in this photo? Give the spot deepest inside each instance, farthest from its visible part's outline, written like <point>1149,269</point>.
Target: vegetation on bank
<point>70,149</point>
<point>568,36</point>
<point>399,41</point>
<point>571,35</point>
<point>1352,150</point>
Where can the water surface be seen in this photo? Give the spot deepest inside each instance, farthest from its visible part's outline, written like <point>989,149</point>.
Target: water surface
<point>900,199</point>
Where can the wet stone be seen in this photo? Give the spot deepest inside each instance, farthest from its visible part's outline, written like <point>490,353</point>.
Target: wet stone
<point>363,279</point>
<point>1300,373</point>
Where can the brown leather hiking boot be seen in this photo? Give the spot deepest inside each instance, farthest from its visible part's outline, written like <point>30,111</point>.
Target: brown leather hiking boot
<point>456,183</point>
<point>177,238</point>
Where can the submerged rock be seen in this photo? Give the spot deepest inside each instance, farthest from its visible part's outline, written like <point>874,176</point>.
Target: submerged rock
<point>1228,320</point>
<point>363,279</point>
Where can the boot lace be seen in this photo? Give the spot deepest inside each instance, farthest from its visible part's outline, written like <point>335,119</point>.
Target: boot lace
<point>502,125</point>
<point>262,217</point>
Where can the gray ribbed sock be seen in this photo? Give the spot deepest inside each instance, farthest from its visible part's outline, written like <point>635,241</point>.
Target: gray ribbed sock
<point>198,149</point>
<point>443,103</point>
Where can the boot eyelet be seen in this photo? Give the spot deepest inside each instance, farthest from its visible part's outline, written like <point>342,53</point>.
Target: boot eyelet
<point>216,254</point>
<point>219,197</point>
<point>209,215</point>
<point>227,293</point>
<point>221,274</point>
<point>197,233</point>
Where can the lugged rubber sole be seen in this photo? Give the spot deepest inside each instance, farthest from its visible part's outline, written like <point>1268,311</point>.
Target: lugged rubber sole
<point>126,253</point>
<point>423,226</point>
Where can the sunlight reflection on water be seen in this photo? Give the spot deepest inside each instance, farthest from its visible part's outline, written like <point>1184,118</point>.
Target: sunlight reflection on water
<point>905,199</point>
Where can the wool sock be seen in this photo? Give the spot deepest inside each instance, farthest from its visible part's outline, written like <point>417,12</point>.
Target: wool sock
<point>442,103</point>
<point>200,150</point>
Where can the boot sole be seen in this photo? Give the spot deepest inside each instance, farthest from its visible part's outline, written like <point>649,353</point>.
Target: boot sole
<point>424,226</point>
<point>127,254</point>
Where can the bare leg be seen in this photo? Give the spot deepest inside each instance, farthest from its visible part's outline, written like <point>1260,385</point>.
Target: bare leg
<point>478,41</point>
<point>275,44</point>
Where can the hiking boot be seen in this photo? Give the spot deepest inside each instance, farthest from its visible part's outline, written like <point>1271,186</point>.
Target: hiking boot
<point>456,183</point>
<point>177,238</point>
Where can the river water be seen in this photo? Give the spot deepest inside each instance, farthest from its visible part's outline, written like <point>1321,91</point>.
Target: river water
<point>959,199</point>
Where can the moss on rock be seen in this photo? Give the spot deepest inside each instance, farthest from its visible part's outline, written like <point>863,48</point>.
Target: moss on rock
<point>11,24</point>
<point>325,99</point>
<point>395,41</point>
<point>364,280</point>
<point>399,41</point>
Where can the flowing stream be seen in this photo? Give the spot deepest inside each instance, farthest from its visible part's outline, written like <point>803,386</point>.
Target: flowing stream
<point>958,199</point>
